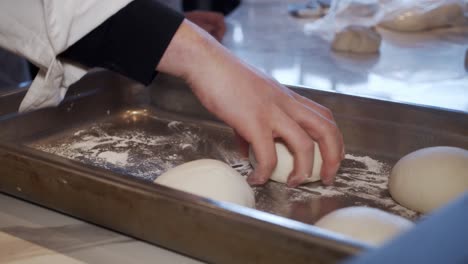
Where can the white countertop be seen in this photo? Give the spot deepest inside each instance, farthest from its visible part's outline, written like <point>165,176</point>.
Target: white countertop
<point>422,68</point>
<point>32,234</point>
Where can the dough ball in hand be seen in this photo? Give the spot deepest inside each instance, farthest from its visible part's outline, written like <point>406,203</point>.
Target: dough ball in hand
<point>429,178</point>
<point>211,179</point>
<point>357,39</point>
<point>369,225</point>
<point>285,164</point>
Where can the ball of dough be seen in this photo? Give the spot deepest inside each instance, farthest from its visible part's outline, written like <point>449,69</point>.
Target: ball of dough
<point>429,178</point>
<point>285,164</point>
<point>411,21</point>
<point>211,179</point>
<point>357,39</point>
<point>368,225</point>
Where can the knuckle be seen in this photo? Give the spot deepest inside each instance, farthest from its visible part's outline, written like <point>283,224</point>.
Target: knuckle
<point>331,129</point>
<point>328,114</point>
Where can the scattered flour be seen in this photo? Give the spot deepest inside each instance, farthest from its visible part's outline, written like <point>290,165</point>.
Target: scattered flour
<point>371,164</point>
<point>129,151</point>
<point>139,152</point>
<point>174,125</point>
<point>361,180</point>
<point>364,181</point>
<point>114,157</point>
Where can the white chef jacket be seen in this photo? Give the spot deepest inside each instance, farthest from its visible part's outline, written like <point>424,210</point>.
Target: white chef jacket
<point>39,30</point>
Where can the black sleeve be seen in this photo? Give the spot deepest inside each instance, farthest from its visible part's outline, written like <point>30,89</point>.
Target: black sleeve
<point>131,42</point>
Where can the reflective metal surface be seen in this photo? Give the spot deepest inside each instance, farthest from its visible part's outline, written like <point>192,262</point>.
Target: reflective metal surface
<point>377,134</point>
<point>111,197</point>
<point>421,68</point>
<point>159,127</point>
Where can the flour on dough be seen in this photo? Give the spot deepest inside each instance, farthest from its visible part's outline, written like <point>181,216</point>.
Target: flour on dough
<point>285,164</point>
<point>357,39</point>
<point>369,225</point>
<point>211,179</point>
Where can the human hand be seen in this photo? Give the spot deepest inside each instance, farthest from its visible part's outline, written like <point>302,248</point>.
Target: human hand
<point>211,22</point>
<point>255,106</point>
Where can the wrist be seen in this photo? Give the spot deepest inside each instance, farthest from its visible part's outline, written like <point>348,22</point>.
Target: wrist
<point>189,53</point>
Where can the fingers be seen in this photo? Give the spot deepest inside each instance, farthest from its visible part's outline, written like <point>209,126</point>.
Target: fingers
<point>265,155</point>
<point>302,147</point>
<point>331,147</point>
<point>325,112</point>
<point>327,135</point>
<point>315,106</point>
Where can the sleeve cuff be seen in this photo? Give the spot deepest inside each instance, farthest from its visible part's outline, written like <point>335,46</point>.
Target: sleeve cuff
<point>131,42</point>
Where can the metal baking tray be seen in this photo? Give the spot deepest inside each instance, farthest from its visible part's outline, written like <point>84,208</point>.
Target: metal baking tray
<point>95,157</point>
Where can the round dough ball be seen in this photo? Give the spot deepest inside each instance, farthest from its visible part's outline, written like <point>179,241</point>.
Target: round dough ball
<point>368,225</point>
<point>211,179</point>
<point>285,164</point>
<point>357,39</point>
<point>411,21</point>
<point>429,178</point>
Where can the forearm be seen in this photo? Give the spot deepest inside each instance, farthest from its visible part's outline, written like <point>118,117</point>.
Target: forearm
<point>199,59</point>
<point>190,53</point>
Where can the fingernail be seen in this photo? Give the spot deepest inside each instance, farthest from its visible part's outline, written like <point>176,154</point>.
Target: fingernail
<point>328,181</point>
<point>330,178</point>
<point>253,179</point>
<point>256,182</point>
<point>294,182</point>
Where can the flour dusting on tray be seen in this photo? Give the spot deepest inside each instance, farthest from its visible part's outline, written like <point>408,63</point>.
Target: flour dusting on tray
<point>147,149</point>
<point>366,180</point>
<point>361,180</point>
<point>136,151</point>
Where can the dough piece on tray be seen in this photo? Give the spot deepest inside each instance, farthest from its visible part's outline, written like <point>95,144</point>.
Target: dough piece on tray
<point>369,225</point>
<point>211,179</point>
<point>429,178</point>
